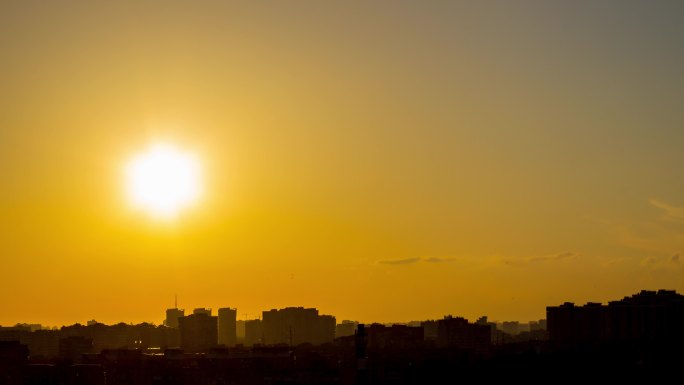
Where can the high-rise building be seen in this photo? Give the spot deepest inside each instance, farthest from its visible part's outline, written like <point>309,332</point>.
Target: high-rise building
<point>74,347</point>
<point>240,331</point>
<point>458,332</point>
<point>511,327</point>
<point>401,337</point>
<point>253,332</point>
<point>429,330</point>
<point>297,325</point>
<point>649,316</point>
<point>227,328</point>
<point>172,316</point>
<point>346,328</point>
<point>202,310</point>
<point>198,332</point>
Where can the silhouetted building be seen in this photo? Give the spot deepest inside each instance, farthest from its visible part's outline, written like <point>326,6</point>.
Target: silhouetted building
<point>510,327</point>
<point>537,325</point>
<point>297,325</point>
<point>254,333</point>
<point>346,328</point>
<point>377,354</point>
<point>14,333</point>
<point>497,336</point>
<point>198,332</point>
<point>360,355</point>
<point>13,352</point>
<point>43,343</point>
<point>240,331</point>
<point>31,327</point>
<point>395,337</point>
<point>202,310</point>
<point>172,316</point>
<point>73,348</point>
<point>457,332</point>
<point>227,328</point>
<point>429,330</point>
<point>13,357</point>
<point>124,336</point>
<point>649,316</point>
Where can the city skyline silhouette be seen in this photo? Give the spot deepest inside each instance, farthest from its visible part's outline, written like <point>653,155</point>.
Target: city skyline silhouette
<point>642,333</point>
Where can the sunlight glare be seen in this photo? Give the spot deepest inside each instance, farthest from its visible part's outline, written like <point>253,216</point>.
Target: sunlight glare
<point>163,180</point>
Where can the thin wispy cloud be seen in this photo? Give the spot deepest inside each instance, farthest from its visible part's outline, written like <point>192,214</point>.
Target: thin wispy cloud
<point>658,235</point>
<point>409,261</point>
<point>511,262</point>
<point>661,263</point>
<point>552,257</point>
<point>541,259</point>
<point>672,213</point>
<point>438,259</point>
<point>404,261</point>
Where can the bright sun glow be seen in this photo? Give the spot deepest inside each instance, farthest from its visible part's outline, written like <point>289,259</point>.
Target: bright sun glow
<point>163,180</point>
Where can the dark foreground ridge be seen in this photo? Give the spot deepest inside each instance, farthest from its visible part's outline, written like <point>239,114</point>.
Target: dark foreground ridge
<point>637,338</point>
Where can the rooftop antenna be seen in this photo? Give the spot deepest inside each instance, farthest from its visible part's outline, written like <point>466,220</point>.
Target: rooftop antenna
<point>175,301</point>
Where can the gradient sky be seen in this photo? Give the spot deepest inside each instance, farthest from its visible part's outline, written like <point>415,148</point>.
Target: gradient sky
<point>382,161</point>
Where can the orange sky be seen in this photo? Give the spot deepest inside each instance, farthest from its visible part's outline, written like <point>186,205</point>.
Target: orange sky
<point>385,162</point>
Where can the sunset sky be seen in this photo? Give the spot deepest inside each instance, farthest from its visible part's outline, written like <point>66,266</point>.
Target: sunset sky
<point>381,161</point>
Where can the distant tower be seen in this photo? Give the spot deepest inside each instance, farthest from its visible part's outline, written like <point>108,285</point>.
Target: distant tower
<point>227,326</point>
<point>172,315</point>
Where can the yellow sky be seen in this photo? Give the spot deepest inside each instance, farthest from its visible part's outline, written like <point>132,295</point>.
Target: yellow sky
<point>383,162</point>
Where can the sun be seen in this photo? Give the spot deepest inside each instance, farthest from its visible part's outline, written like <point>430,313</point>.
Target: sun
<point>163,180</point>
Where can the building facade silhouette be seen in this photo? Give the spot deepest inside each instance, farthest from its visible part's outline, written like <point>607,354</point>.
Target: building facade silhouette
<point>649,316</point>
<point>198,331</point>
<point>254,334</point>
<point>457,332</point>
<point>297,325</point>
<point>346,328</point>
<point>227,326</point>
<point>172,316</point>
